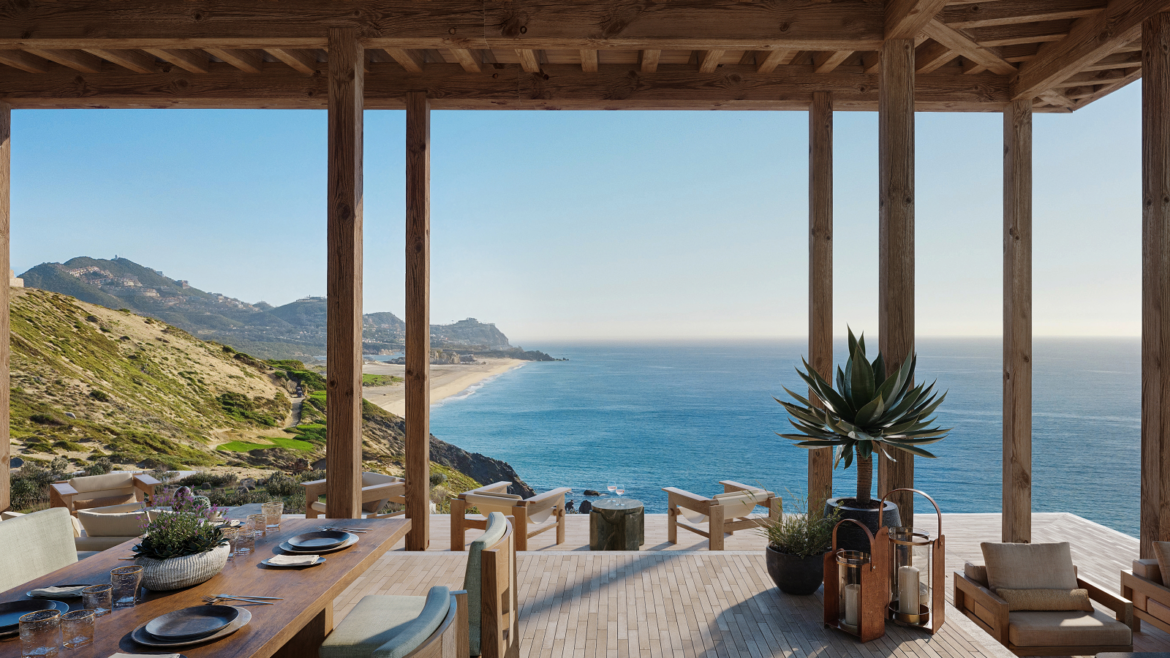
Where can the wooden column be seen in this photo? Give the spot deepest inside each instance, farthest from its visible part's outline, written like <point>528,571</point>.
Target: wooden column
<point>343,447</point>
<point>896,238</point>
<point>5,223</point>
<point>418,320</point>
<point>820,275</point>
<point>1017,322</point>
<point>1155,454</point>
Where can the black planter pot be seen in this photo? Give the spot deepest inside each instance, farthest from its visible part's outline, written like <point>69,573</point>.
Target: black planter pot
<point>852,538</point>
<point>796,575</point>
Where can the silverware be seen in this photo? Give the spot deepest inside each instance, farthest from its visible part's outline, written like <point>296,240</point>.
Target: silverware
<point>266,598</point>
<point>339,529</point>
<point>215,599</point>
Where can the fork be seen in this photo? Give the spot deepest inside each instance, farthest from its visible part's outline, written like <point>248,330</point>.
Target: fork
<point>340,529</point>
<point>216,599</point>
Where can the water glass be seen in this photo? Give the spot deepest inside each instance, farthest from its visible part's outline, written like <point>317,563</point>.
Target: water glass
<point>77,628</point>
<point>125,581</point>
<point>245,539</point>
<point>40,633</point>
<point>272,512</point>
<point>259,523</point>
<point>98,598</point>
<point>231,535</point>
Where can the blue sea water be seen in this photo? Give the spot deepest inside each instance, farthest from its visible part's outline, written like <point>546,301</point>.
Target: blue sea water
<point>691,414</point>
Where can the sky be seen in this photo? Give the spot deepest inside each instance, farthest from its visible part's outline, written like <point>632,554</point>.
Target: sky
<point>564,226</point>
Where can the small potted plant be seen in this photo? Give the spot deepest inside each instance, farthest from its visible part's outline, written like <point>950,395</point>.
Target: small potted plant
<point>182,547</point>
<point>797,543</point>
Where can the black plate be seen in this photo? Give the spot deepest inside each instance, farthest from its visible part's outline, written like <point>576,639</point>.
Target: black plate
<point>192,623</point>
<point>12,611</point>
<point>319,541</point>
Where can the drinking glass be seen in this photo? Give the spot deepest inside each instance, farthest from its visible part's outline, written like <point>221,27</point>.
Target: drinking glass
<point>272,511</point>
<point>77,628</point>
<point>40,633</point>
<point>612,486</point>
<point>125,581</point>
<point>231,535</point>
<point>98,598</point>
<point>259,523</point>
<point>245,539</point>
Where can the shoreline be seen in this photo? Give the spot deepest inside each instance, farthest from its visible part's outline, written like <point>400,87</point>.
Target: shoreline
<point>446,381</point>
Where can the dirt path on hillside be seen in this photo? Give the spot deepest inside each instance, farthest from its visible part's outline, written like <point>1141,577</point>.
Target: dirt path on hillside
<point>294,415</point>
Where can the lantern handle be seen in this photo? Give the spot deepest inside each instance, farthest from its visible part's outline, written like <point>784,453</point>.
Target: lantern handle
<point>882,507</point>
<point>867,534</point>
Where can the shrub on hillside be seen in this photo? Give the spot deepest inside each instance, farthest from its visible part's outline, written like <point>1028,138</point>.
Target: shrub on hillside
<point>233,498</point>
<point>100,396</point>
<point>197,480</point>
<point>99,466</point>
<point>281,485</point>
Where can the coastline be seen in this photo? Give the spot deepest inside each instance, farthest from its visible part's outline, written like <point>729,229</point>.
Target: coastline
<point>446,381</point>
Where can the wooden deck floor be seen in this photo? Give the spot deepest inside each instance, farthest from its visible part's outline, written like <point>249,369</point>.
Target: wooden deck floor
<point>684,601</point>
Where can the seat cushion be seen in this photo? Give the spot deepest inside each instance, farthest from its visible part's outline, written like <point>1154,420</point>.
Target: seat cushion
<point>1029,566</point>
<point>976,572</point>
<point>387,626</point>
<point>1148,569</point>
<point>1066,629</point>
<point>118,524</point>
<point>1162,553</point>
<point>1046,599</point>
<point>497,525</point>
<point>34,545</point>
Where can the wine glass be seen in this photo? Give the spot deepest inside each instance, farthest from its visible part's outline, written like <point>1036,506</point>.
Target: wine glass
<point>611,486</point>
<point>621,491</point>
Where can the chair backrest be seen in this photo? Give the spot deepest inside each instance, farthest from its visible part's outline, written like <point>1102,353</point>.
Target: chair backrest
<point>112,524</point>
<point>435,614</point>
<point>737,504</point>
<point>370,479</point>
<point>491,591</point>
<point>103,486</point>
<point>34,545</point>
<point>487,503</point>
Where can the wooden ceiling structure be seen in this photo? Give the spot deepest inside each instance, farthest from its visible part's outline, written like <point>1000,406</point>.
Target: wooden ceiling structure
<point>896,57</point>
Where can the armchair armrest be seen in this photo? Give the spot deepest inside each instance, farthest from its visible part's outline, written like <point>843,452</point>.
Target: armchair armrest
<point>495,487</point>
<point>61,495</point>
<point>380,491</point>
<point>679,498</point>
<point>145,482</point>
<point>313,490</point>
<point>731,485</point>
<point>547,499</point>
<point>1122,609</point>
<point>63,489</point>
<point>982,606</point>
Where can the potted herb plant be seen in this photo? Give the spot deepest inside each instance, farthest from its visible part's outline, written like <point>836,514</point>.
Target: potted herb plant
<point>867,412</point>
<point>182,547</point>
<point>797,543</point>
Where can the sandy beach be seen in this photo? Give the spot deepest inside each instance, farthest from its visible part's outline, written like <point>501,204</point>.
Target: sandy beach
<point>446,381</point>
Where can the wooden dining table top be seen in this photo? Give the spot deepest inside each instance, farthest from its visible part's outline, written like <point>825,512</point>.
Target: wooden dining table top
<point>306,592</point>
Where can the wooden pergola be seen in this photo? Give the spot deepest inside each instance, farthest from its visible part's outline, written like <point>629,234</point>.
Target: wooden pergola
<point>1016,57</point>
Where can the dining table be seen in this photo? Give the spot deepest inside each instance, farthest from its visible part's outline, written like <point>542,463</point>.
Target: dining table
<point>292,627</point>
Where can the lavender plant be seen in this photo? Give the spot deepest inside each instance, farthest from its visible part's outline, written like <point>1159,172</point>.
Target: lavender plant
<point>186,530</point>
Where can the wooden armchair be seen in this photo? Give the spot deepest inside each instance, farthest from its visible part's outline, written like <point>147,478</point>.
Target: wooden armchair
<point>723,513</point>
<point>1043,633</point>
<point>1151,598</point>
<point>409,626</point>
<point>529,517</point>
<point>116,488</point>
<point>377,490</point>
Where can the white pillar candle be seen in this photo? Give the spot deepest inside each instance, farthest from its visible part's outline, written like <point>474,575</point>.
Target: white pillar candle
<point>908,602</point>
<point>852,604</point>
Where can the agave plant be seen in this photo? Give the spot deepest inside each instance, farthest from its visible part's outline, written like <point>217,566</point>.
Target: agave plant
<point>868,411</point>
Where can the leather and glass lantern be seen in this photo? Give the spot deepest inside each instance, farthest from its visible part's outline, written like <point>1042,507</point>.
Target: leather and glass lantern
<point>916,573</point>
<point>857,586</point>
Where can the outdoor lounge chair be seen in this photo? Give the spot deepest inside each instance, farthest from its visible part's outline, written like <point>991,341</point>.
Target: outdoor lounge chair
<point>406,626</point>
<point>377,490</point>
<point>106,527</point>
<point>723,513</point>
<point>32,545</point>
<point>1145,587</point>
<point>490,600</point>
<point>529,517</point>
<point>116,488</point>
<point>1041,571</point>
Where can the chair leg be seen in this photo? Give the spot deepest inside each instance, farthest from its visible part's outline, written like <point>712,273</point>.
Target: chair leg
<point>560,525</point>
<point>672,525</point>
<point>715,527</point>
<point>458,529</point>
<point>520,517</point>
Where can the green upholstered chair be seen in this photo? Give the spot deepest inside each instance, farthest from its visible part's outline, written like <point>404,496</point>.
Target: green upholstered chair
<point>402,627</point>
<point>35,544</point>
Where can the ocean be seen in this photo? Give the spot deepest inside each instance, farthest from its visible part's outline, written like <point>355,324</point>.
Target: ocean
<point>688,415</point>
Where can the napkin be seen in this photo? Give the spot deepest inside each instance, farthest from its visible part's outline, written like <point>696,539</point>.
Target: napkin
<point>293,560</point>
<point>55,592</point>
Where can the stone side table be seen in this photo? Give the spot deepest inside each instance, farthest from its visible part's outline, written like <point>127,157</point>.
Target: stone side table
<point>617,525</point>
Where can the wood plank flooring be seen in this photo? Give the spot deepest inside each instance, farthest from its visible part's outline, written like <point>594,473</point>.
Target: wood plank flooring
<point>669,600</point>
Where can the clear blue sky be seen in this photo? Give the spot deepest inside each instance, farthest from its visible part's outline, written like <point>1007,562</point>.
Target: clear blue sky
<point>570,225</point>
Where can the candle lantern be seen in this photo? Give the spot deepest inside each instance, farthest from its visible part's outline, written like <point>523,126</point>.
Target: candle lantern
<point>916,573</point>
<point>857,586</point>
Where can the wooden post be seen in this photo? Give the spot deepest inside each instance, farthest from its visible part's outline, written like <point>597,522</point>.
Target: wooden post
<point>343,446</point>
<point>418,320</point>
<point>896,239</point>
<point>5,224</point>
<point>1155,491</point>
<point>820,276</point>
<point>1017,322</point>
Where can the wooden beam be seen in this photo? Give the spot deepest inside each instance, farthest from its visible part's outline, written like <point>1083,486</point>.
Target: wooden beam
<point>896,241</point>
<point>303,61</point>
<point>649,60</point>
<point>134,60</point>
<point>1017,322</point>
<point>871,63</point>
<point>1053,97</point>
<point>820,276</point>
<point>1116,61</point>
<point>1090,78</point>
<point>1015,35</point>
<point>18,59</point>
<point>961,44</point>
<point>773,59</point>
<point>1086,95</point>
<point>411,60</point>
<point>418,319</point>
<point>529,61</point>
<point>828,62</point>
<point>1091,39</point>
<point>589,61</point>
<point>469,60</point>
<point>906,18</point>
<point>1015,12</point>
<point>1155,451</point>
<point>709,60</point>
<point>5,292</point>
<point>78,60</point>
<point>932,56</point>
<point>613,87</point>
<point>193,61</point>
<point>518,24</point>
<point>249,61</point>
<point>343,447</point>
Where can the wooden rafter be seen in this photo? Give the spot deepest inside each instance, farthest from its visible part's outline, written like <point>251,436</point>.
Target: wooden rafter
<point>871,63</point>
<point>828,62</point>
<point>78,60</point>
<point>961,44</point>
<point>1011,35</point>
<point>250,61</point>
<point>411,60</point>
<point>1116,61</point>
<point>589,61</point>
<point>931,56</point>
<point>709,60</point>
<point>194,61</point>
<point>303,61</point>
<point>134,60</point>
<point>1090,40</point>
<point>529,61</point>
<point>906,18</point>
<point>468,59</point>
<point>648,59</point>
<point>774,58</point>
<point>1015,12</point>
<point>19,59</point>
